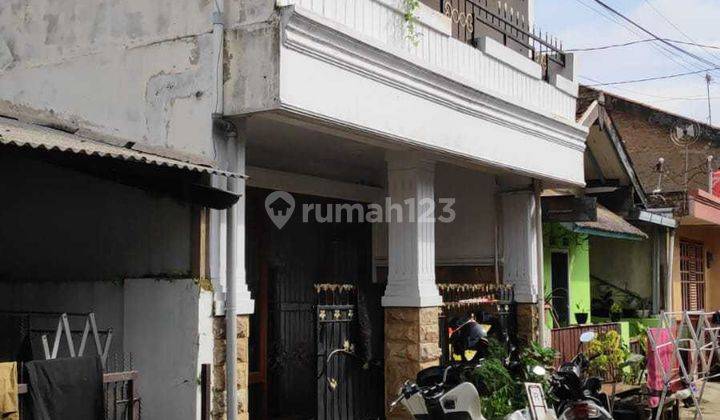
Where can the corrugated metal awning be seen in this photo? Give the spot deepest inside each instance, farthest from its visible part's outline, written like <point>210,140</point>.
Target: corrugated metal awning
<point>609,225</point>
<point>19,134</point>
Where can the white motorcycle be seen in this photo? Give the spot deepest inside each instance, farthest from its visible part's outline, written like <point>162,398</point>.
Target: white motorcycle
<point>444,393</point>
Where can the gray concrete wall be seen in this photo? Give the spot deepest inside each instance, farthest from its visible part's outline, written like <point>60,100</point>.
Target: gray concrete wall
<point>623,263</point>
<point>133,70</point>
<point>162,320</point>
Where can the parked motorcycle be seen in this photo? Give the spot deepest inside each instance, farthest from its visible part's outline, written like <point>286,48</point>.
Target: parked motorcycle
<point>579,396</point>
<point>441,393</point>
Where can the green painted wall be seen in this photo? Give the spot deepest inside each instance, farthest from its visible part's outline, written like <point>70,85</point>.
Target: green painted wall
<point>557,238</point>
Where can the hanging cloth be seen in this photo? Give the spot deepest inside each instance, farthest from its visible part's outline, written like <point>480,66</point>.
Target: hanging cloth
<point>9,391</point>
<point>659,362</point>
<point>66,389</point>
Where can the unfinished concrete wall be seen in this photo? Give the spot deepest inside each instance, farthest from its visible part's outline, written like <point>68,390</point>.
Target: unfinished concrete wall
<point>623,263</point>
<point>136,70</point>
<point>165,322</point>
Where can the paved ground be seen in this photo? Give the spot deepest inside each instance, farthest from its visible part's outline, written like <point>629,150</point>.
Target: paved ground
<point>710,404</point>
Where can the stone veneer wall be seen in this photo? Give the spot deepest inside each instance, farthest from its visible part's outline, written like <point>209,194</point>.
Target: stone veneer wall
<point>527,322</point>
<point>411,344</point>
<point>218,388</point>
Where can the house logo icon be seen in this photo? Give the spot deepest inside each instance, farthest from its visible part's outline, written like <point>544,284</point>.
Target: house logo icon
<point>280,206</point>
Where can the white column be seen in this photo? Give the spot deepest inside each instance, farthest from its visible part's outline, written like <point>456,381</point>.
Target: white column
<point>217,231</point>
<point>244,303</point>
<point>411,259</point>
<point>520,244</point>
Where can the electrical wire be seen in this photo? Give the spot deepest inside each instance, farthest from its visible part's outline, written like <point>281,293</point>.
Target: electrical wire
<point>642,41</point>
<point>648,79</point>
<point>669,44</point>
<point>632,30</point>
<point>683,33</point>
<point>635,92</point>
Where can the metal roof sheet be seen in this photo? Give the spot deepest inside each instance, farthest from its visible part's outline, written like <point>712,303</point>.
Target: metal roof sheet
<point>16,133</point>
<point>610,224</point>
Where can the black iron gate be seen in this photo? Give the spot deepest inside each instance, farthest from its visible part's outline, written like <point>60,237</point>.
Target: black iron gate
<point>487,303</point>
<point>349,384</point>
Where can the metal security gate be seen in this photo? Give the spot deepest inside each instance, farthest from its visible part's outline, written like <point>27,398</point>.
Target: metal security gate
<point>348,385</point>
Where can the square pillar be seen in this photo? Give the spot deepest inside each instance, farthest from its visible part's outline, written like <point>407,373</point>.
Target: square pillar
<point>522,245</point>
<point>411,297</point>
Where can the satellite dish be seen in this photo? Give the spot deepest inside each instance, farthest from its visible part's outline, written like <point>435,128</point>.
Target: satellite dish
<point>684,135</point>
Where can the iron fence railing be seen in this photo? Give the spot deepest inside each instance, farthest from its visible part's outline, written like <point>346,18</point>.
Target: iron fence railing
<point>566,342</point>
<point>472,19</point>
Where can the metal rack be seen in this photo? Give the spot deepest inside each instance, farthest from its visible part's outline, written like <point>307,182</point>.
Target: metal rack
<point>695,346</point>
<point>63,329</point>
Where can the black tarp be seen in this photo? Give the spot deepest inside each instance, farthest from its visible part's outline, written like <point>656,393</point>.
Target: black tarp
<point>64,389</point>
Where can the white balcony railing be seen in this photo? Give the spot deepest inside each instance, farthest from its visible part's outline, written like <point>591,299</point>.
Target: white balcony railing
<point>490,67</point>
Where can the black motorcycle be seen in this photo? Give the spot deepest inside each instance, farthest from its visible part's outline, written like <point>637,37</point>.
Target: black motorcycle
<point>579,396</point>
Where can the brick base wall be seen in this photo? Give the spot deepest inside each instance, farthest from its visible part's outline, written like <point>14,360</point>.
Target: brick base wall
<point>411,344</point>
<point>218,388</point>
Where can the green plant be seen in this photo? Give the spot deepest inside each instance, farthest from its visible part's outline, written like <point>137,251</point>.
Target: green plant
<point>616,308</point>
<point>498,386</point>
<point>606,354</point>
<point>503,392</point>
<point>580,308</point>
<point>496,350</point>
<point>409,8</point>
<point>633,369</point>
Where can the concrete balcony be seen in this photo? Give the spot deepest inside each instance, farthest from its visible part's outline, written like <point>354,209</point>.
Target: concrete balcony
<point>349,65</point>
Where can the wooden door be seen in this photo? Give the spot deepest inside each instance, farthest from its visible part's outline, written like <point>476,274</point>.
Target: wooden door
<point>692,275</point>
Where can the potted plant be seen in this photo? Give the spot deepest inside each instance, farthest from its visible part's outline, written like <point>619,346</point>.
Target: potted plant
<point>581,316</point>
<point>616,312</point>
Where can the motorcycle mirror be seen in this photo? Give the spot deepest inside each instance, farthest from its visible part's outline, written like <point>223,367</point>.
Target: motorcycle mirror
<point>587,336</point>
<point>539,371</point>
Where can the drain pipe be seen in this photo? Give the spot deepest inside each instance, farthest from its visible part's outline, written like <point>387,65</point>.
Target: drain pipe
<point>540,266</point>
<point>232,216</point>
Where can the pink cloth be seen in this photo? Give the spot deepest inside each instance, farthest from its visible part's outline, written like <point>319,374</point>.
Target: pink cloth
<point>658,364</point>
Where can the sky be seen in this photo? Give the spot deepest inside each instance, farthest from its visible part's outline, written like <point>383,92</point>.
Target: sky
<point>584,23</point>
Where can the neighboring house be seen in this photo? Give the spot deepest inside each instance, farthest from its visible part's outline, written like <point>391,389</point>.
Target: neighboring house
<point>329,100</point>
<point>610,245</point>
<point>670,156</point>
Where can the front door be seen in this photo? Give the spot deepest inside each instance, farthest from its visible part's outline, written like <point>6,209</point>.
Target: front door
<point>560,294</point>
<point>284,266</point>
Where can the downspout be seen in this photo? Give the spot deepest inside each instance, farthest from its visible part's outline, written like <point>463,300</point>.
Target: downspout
<point>657,282</point>
<point>233,217</point>
<point>230,132</point>
<point>498,222</point>
<point>670,244</point>
<point>540,265</point>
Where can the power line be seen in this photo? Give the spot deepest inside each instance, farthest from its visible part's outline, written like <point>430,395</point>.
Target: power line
<point>648,79</point>
<point>677,28</point>
<point>632,30</point>
<point>669,44</point>
<point>641,41</point>
<point>659,98</point>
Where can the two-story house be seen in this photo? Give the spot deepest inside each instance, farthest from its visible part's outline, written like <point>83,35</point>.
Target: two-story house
<point>454,110</point>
